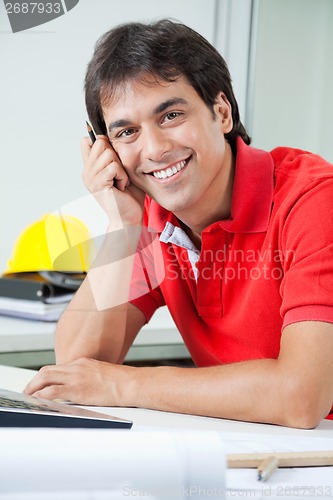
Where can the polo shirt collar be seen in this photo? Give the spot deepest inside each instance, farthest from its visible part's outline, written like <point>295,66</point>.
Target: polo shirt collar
<point>253,190</point>
<point>252,195</point>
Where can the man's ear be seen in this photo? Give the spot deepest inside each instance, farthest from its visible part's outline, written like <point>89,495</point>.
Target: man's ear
<point>223,112</point>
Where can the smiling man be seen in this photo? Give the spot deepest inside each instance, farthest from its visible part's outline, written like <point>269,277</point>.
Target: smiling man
<point>237,242</point>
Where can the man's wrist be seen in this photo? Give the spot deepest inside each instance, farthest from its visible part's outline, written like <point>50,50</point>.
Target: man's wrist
<point>131,387</point>
<point>144,388</point>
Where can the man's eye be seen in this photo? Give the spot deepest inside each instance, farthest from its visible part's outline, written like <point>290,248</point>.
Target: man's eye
<point>172,115</point>
<point>126,133</point>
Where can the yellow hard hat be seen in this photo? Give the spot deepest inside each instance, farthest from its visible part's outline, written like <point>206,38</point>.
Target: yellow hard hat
<point>53,243</point>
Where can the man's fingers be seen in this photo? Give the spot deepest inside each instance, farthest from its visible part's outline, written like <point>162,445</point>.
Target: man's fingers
<point>105,174</point>
<point>103,168</point>
<point>85,147</point>
<point>106,157</point>
<point>90,152</point>
<point>47,376</point>
<point>56,392</point>
<point>118,175</point>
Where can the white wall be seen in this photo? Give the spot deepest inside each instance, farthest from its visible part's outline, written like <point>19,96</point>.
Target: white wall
<point>42,103</point>
<point>293,77</point>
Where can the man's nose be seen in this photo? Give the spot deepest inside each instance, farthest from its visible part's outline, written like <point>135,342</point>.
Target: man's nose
<point>156,144</point>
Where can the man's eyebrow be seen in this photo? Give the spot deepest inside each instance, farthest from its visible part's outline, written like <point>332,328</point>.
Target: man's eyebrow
<point>167,104</point>
<point>118,124</point>
<point>159,109</point>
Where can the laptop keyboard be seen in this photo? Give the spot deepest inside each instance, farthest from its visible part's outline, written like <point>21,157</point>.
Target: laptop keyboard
<point>23,405</point>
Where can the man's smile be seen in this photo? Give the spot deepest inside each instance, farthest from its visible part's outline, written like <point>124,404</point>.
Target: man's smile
<point>171,170</point>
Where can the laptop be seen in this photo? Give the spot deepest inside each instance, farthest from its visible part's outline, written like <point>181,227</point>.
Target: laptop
<point>20,410</point>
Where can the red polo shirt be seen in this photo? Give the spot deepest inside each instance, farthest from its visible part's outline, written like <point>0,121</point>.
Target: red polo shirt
<point>269,265</point>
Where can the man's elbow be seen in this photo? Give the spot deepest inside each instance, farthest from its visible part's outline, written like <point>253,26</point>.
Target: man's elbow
<point>304,418</point>
<point>305,407</point>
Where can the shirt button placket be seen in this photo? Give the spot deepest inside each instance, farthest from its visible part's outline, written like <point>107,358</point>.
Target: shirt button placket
<point>209,287</point>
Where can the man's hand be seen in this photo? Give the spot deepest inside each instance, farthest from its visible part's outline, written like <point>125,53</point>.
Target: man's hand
<point>84,381</point>
<point>105,177</point>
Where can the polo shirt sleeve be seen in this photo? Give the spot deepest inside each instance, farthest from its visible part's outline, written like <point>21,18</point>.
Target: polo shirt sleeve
<point>307,248</point>
<point>148,273</point>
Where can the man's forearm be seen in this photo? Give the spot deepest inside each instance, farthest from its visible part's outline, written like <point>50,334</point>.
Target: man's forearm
<point>83,331</point>
<point>254,391</point>
<point>294,390</point>
<point>94,324</point>
<point>242,391</point>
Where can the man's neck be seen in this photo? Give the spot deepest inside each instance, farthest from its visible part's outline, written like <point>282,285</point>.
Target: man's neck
<point>212,208</point>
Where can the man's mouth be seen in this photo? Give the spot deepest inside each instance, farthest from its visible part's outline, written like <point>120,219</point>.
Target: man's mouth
<point>170,171</point>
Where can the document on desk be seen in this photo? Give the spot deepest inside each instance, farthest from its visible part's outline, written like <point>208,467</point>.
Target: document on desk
<point>308,482</point>
<point>35,310</point>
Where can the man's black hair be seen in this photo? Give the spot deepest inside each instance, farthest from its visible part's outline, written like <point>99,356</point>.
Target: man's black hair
<point>165,50</point>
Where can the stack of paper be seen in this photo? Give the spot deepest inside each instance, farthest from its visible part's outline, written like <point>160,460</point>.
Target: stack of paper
<point>29,295</point>
<point>32,310</point>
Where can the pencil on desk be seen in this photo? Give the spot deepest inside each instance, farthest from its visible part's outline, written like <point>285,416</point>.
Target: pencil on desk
<point>267,467</point>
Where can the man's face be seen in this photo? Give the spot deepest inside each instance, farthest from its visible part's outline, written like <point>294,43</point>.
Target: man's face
<point>169,142</point>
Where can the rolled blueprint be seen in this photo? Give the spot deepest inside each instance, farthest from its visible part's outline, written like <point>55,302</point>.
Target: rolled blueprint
<point>106,464</point>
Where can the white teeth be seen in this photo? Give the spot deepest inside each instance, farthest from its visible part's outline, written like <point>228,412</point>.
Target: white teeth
<point>170,171</point>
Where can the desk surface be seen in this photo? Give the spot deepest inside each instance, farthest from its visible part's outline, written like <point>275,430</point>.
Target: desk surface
<point>285,482</point>
<point>15,379</point>
<point>30,343</point>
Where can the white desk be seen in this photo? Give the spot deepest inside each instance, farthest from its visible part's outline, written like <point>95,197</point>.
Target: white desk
<point>15,379</point>
<point>26,343</point>
<point>241,483</point>
<point>285,483</point>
